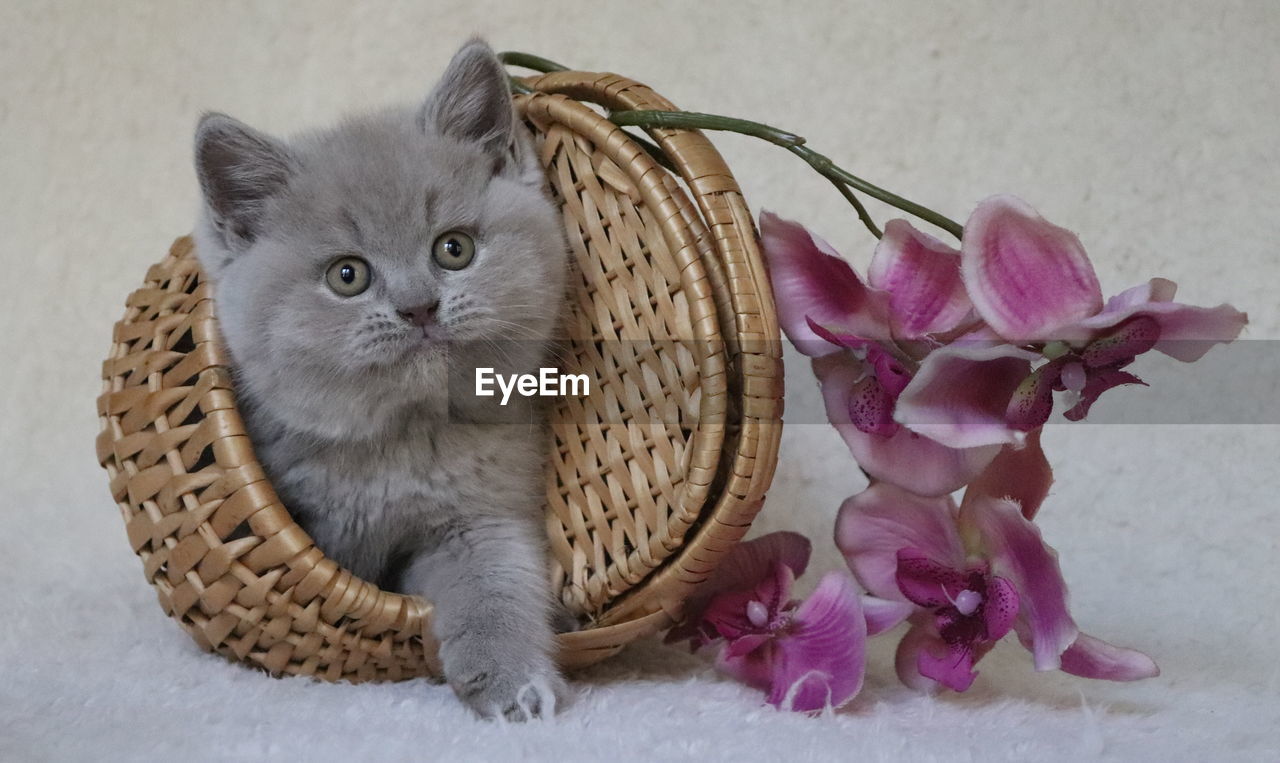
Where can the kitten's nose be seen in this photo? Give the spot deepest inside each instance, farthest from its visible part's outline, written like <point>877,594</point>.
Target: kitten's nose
<point>422,315</point>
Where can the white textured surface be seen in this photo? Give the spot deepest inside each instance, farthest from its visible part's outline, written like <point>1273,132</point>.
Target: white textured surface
<point>1150,128</point>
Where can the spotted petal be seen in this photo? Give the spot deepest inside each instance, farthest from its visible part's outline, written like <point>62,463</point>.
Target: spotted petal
<point>921,275</point>
<point>926,582</point>
<point>1000,608</point>
<point>811,281</point>
<point>1123,343</point>
<point>1032,401</point>
<point>1027,277</point>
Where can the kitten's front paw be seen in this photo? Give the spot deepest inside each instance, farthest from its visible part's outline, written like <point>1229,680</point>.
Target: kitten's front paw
<point>516,692</point>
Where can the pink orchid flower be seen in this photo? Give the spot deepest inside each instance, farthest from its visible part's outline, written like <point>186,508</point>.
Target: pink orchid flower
<point>867,339</point>
<point>806,655</point>
<point>972,573</point>
<point>1034,288</point>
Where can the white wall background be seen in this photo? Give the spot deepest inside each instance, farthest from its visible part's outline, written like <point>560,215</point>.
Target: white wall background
<point>1153,129</point>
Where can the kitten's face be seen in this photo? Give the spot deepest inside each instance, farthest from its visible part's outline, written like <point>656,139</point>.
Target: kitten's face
<point>355,267</point>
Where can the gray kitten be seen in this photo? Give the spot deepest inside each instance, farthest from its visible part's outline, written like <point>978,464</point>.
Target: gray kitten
<point>362,272</point>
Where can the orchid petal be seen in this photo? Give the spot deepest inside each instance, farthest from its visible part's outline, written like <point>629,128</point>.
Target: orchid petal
<point>811,281</point>
<point>883,614</point>
<point>752,561</point>
<point>1094,658</point>
<point>1000,608</point>
<point>925,661</point>
<point>1155,290</point>
<point>1019,474</point>
<point>906,660</point>
<point>874,524</point>
<point>1026,277</point>
<point>741,647</point>
<point>821,661</point>
<point>871,408</point>
<point>905,458</point>
<point>960,394</point>
<point>1187,332</point>
<point>925,582</point>
<point>1100,381</point>
<point>1018,553</point>
<point>891,374</point>
<point>1031,404</point>
<point>922,278</point>
<point>754,667</point>
<point>838,337</point>
<point>951,666</point>
<point>1127,341</point>
<point>888,370</point>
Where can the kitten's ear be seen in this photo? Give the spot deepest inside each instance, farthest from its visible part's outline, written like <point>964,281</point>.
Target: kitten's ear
<point>472,102</point>
<point>239,170</point>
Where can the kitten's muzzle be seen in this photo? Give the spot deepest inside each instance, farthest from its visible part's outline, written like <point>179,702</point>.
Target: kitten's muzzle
<point>423,315</point>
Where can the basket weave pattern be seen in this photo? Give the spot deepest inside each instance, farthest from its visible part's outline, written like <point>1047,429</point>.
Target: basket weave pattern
<point>651,478</point>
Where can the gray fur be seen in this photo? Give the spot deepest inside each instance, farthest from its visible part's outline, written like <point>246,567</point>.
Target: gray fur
<point>348,404</point>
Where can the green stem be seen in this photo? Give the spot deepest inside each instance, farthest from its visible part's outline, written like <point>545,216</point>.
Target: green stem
<point>793,143</point>
<point>544,65</point>
<point>843,180</point>
<point>530,61</point>
<point>686,120</point>
<point>858,207</point>
<point>517,86</point>
<point>655,152</point>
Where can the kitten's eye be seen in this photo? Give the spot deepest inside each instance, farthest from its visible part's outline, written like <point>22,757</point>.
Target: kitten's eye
<point>348,276</point>
<point>454,250</point>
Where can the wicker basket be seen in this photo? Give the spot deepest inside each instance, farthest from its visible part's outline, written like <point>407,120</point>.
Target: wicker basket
<point>650,481</point>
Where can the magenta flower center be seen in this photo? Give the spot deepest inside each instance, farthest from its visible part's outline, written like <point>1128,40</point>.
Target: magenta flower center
<point>971,607</point>
<point>967,602</point>
<point>961,621</point>
<point>873,399</point>
<point>1087,373</point>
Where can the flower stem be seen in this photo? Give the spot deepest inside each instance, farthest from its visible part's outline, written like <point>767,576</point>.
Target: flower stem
<point>540,64</point>
<point>858,207</point>
<point>530,61</point>
<point>844,181</point>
